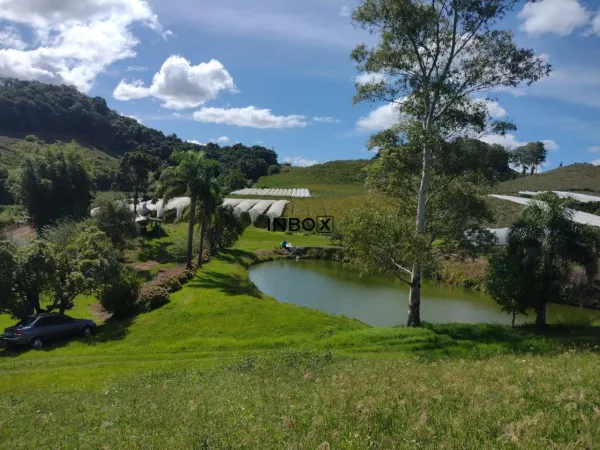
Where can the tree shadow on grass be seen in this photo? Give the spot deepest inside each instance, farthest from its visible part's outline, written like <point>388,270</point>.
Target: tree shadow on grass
<point>236,256</point>
<point>229,284</point>
<point>477,339</point>
<point>156,251</point>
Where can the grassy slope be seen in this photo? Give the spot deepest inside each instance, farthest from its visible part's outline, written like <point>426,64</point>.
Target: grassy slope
<point>576,177</point>
<point>215,368</point>
<point>335,187</point>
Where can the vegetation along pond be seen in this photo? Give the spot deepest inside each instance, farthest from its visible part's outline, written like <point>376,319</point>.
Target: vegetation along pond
<point>335,288</point>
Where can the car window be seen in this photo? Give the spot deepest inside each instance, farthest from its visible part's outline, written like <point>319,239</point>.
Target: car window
<point>67,319</point>
<point>44,322</point>
<point>25,322</point>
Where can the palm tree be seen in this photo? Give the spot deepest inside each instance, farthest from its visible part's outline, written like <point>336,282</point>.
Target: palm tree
<point>210,201</point>
<point>549,243</point>
<point>190,177</point>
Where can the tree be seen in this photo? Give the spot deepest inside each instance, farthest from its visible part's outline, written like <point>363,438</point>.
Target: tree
<point>119,297</point>
<point>433,57</point>
<point>85,262</point>
<point>210,199</point>
<point>274,169</point>
<point>234,179</point>
<point>5,194</point>
<point>133,173</point>
<point>113,217</point>
<point>34,272</point>
<point>542,247</point>
<point>54,184</point>
<point>530,156</point>
<point>191,176</point>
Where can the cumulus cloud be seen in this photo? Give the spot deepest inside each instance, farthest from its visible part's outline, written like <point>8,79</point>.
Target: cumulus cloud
<point>370,77</point>
<point>300,161</point>
<point>494,109</point>
<point>193,141</point>
<point>10,38</point>
<point>596,162</point>
<point>381,118</point>
<point>74,40</point>
<point>560,17</point>
<point>326,119</point>
<point>249,116</point>
<point>594,149</point>
<point>596,24</point>
<point>221,140</point>
<point>179,84</point>
<point>510,141</point>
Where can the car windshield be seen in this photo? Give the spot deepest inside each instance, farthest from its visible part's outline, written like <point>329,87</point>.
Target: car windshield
<point>25,322</point>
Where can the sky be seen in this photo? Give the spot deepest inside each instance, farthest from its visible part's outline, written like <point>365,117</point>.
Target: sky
<point>278,73</point>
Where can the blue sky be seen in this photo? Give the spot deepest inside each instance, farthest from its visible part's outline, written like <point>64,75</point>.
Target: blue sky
<point>278,72</point>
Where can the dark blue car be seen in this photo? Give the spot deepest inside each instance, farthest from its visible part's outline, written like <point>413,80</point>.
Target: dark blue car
<point>38,329</point>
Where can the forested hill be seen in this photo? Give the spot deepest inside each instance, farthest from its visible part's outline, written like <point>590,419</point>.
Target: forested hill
<point>54,112</point>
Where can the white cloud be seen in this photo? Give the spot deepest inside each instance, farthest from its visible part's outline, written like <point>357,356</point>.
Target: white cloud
<point>300,161</point>
<point>179,84</point>
<point>326,119</point>
<point>345,11</point>
<point>134,117</point>
<point>596,24</point>
<point>136,69</point>
<point>596,162</point>
<point>74,40</point>
<point>553,16</point>
<point>10,38</point>
<point>370,77</point>
<point>594,149</point>
<point>381,118</point>
<point>249,116</point>
<point>193,141</point>
<point>176,114</point>
<point>510,141</point>
<point>221,140</point>
<point>259,142</point>
<point>494,109</point>
<point>550,145</point>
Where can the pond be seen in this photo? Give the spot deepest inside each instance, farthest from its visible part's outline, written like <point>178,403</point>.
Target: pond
<point>334,288</point>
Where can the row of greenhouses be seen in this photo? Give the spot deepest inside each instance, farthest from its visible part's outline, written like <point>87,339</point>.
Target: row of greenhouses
<point>584,198</point>
<point>300,193</point>
<point>273,209</point>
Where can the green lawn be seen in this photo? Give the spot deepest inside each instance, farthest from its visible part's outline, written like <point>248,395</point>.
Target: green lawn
<point>224,366</point>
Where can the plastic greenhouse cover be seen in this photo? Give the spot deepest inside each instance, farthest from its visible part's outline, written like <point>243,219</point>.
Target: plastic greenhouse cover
<point>232,202</point>
<point>584,198</point>
<point>259,208</point>
<point>277,209</point>
<point>578,216</point>
<point>244,206</point>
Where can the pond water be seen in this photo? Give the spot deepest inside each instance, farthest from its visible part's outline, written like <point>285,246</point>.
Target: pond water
<point>335,288</point>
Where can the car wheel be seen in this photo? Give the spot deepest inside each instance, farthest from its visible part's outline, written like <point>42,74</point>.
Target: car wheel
<point>86,331</point>
<point>37,343</point>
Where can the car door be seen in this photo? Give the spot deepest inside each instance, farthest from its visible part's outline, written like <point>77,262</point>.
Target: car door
<point>48,327</point>
<point>69,326</point>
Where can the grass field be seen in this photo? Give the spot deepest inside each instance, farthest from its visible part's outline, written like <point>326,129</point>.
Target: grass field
<point>224,366</point>
<point>576,177</point>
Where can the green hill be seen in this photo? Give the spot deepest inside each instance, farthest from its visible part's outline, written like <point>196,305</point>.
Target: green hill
<point>576,177</point>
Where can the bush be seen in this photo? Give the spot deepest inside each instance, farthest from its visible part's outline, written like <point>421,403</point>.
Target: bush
<point>114,217</point>
<point>152,297</point>
<point>120,297</point>
<point>170,282</point>
<point>179,248</point>
<point>274,169</point>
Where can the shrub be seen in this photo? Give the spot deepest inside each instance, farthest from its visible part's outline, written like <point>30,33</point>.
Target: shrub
<point>170,282</point>
<point>152,297</point>
<point>120,297</point>
<point>114,217</point>
<point>274,169</point>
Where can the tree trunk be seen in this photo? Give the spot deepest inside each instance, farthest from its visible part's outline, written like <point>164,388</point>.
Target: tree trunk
<point>135,203</point>
<point>414,298</point>
<point>202,233</point>
<point>514,315</point>
<point>191,232</point>
<point>540,320</point>
<point>524,170</point>
<point>213,241</point>
<point>532,170</point>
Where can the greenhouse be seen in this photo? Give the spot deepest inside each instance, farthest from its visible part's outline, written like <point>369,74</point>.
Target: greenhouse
<point>301,193</point>
<point>584,198</point>
<point>578,216</point>
<point>259,209</point>
<point>276,209</point>
<point>244,206</point>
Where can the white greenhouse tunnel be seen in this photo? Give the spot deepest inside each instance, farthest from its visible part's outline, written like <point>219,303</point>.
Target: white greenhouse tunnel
<point>299,193</point>
<point>584,198</point>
